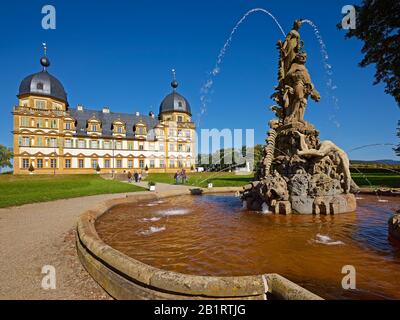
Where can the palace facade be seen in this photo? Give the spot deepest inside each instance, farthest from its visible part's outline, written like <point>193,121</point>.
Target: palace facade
<point>52,138</point>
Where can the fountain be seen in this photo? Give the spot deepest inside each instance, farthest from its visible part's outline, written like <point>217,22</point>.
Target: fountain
<point>299,173</point>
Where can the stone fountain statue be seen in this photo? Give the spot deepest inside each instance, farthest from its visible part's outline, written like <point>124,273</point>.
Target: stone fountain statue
<point>299,173</point>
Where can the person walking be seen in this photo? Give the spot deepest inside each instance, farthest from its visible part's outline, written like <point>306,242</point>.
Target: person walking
<point>136,176</point>
<point>140,177</point>
<point>177,177</point>
<point>129,177</point>
<point>184,176</point>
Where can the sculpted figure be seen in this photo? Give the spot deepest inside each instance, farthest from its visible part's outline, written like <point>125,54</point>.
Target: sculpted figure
<point>299,79</point>
<point>325,148</point>
<point>288,49</point>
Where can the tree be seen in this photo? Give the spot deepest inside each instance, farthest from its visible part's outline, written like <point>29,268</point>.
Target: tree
<point>397,150</point>
<point>6,156</point>
<point>378,26</point>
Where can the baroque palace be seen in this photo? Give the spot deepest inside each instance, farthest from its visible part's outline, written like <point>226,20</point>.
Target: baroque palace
<point>50,137</point>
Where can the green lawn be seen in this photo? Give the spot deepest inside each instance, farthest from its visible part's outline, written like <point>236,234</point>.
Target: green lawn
<point>220,179</point>
<point>383,180</point>
<point>18,190</point>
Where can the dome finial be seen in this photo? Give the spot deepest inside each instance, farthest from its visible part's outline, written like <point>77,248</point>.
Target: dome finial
<point>44,61</point>
<point>174,83</point>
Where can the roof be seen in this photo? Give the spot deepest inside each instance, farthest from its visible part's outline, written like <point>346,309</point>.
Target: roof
<point>175,102</point>
<point>43,84</point>
<point>107,119</point>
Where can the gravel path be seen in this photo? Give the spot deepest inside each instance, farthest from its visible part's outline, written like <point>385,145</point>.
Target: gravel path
<point>35,235</point>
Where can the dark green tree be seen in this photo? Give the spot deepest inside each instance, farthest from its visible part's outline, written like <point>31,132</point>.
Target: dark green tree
<point>378,26</point>
<point>6,155</point>
<point>397,150</point>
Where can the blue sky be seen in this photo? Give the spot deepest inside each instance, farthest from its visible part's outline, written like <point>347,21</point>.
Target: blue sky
<point>120,53</point>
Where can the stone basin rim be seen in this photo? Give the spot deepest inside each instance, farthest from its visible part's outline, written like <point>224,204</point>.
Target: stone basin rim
<point>124,277</point>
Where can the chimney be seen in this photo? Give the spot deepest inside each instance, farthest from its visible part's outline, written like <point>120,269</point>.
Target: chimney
<point>106,110</point>
<point>79,107</point>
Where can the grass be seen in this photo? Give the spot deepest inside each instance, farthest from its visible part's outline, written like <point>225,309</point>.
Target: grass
<point>224,179</point>
<point>220,179</point>
<point>19,190</point>
<point>382,180</point>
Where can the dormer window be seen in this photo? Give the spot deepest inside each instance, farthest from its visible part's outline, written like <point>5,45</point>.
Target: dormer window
<point>180,104</point>
<point>180,119</point>
<point>40,104</point>
<point>119,129</point>
<point>94,127</point>
<point>39,86</point>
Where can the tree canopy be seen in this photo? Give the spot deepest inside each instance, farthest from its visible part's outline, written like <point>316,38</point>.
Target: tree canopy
<point>378,26</point>
<point>6,156</point>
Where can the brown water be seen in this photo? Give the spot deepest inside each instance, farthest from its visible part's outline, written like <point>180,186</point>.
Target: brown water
<point>214,235</point>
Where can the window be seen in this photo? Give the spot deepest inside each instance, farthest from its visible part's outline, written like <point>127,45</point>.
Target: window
<point>130,164</point>
<point>57,106</point>
<point>188,148</point>
<point>119,164</point>
<point>171,147</point>
<point>180,164</point>
<point>39,163</point>
<point>187,133</point>
<point>107,163</point>
<point>94,144</point>
<point>130,145</point>
<point>180,119</point>
<point>162,164</point>
<point>180,147</point>
<point>67,163</point>
<point>141,146</point>
<point>151,147</point>
<point>53,163</point>
<point>171,133</point>
<point>40,104</point>
<point>53,142</point>
<point>40,141</point>
<point>81,144</point>
<point>68,126</point>
<point>53,124</point>
<point>119,129</point>
<point>39,123</point>
<point>119,145</point>
<point>107,144</point>
<point>171,163</point>
<point>141,164</point>
<point>161,146</point>
<point>94,127</point>
<point>39,86</point>
<point>81,163</point>
<point>94,163</point>
<point>68,143</point>
<point>180,104</point>
<point>26,141</point>
<point>24,122</point>
<point>152,164</point>
<point>25,163</point>
<point>180,133</point>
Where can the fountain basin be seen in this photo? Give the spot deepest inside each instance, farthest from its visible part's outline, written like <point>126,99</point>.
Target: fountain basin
<point>124,277</point>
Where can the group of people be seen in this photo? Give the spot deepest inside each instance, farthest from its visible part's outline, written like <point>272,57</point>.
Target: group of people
<point>136,176</point>
<point>180,177</point>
